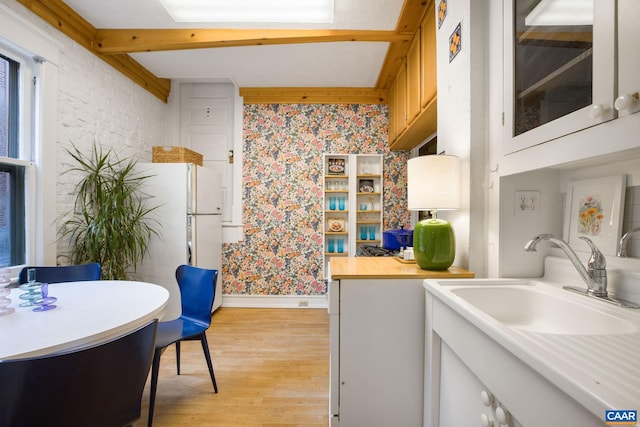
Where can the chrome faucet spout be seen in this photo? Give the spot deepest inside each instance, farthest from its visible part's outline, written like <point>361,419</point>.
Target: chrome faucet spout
<point>595,277</point>
<point>622,246</point>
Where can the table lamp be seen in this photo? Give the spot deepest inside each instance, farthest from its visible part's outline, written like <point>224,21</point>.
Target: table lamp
<point>433,182</point>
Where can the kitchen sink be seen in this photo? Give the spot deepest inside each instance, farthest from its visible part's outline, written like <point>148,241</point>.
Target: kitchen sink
<point>530,306</point>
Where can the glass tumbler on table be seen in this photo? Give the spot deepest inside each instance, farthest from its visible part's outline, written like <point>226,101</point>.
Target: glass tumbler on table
<point>5,301</point>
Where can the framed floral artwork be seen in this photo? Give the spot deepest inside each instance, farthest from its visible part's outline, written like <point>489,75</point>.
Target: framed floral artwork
<point>594,209</point>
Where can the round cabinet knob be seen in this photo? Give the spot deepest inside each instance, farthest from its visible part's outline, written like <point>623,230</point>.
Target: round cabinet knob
<point>487,398</point>
<point>502,415</point>
<point>626,102</point>
<point>486,421</point>
<point>597,111</point>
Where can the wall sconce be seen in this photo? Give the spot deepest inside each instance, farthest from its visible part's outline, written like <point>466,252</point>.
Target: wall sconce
<point>433,182</point>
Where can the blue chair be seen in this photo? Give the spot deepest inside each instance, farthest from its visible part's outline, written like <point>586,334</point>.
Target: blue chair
<point>63,273</point>
<point>197,290</point>
<point>98,386</point>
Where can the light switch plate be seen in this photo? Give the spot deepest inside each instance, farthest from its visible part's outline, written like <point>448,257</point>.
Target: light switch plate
<point>527,202</point>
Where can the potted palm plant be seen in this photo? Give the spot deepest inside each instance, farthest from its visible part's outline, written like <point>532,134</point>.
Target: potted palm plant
<point>110,221</point>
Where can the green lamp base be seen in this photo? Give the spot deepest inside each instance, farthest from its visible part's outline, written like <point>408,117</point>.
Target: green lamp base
<point>434,244</point>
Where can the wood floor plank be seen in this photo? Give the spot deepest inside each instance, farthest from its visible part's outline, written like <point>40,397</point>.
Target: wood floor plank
<point>271,366</point>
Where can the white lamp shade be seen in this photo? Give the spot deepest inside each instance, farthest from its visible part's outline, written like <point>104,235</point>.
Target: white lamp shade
<point>433,182</point>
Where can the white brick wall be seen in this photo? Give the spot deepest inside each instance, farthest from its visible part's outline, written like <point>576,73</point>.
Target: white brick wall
<point>96,103</point>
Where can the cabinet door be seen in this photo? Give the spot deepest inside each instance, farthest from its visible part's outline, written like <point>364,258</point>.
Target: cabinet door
<point>559,70</point>
<point>628,57</point>
<point>428,47</point>
<point>381,353</point>
<point>401,99</point>
<point>391,126</point>
<point>414,80</point>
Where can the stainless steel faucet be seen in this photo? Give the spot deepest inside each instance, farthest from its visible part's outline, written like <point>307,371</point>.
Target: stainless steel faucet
<point>622,246</point>
<point>595,277</point>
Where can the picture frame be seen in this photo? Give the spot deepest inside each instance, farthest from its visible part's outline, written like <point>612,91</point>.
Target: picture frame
<point>365,185</point>
<point>594,209</point>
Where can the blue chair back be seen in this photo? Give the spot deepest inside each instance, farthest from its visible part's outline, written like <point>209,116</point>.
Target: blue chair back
<point>98,386</point>
<point>63,273</point>
<point>197,290</point>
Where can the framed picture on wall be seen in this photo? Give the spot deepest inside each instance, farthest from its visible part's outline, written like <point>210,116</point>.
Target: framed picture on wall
<point>594,209</point>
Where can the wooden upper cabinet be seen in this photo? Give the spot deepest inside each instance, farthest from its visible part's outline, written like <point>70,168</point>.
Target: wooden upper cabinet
<point>414,79</point>
<point>413,98</point>
<point>428,48</point>
<point>391,126</point>
<point>401,99</point>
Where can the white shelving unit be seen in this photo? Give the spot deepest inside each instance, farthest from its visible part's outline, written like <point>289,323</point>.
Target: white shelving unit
<point>353,190</point>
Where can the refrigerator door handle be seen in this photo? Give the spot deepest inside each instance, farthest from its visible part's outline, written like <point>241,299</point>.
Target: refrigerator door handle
<point>190,234</point>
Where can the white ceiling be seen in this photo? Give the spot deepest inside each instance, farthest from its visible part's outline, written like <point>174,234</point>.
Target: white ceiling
<point>339,64</point>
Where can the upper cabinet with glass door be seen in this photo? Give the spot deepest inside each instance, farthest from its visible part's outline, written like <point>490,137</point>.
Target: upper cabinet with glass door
<point>628,55</point>
<point>559,68</point>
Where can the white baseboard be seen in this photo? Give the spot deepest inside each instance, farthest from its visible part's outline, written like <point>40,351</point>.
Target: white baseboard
<point>274,301</point>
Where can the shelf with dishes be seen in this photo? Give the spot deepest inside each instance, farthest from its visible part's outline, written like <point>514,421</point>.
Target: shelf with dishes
<point>352,199</point>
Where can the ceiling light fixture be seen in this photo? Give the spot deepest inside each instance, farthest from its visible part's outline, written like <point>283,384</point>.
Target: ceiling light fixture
<point>299,11</point>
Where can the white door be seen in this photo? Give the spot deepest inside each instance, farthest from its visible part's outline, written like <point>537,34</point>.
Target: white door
<point>206,126</point>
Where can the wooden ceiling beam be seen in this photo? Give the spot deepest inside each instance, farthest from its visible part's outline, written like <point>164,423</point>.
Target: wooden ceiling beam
<point>65,19</point>
<point>112,47</point>
<point>313,95</point>
<point>150,40</point>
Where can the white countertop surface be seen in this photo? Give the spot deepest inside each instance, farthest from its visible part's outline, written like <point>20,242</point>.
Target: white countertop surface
<point>86,313</point>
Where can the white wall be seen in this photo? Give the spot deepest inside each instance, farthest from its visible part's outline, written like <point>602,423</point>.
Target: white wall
<point>462,107</point>
<point>94,102</point>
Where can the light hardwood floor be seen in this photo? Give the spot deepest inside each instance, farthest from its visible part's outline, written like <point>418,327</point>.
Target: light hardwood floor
<point>271,366</point>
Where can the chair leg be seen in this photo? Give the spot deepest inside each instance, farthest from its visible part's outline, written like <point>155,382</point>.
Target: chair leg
<point>205,348</point>
<point>178,357</point>
<point>155,368</point>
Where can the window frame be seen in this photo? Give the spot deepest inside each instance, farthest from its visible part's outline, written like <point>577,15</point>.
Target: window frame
<point>18,161</point>
<point>25,40</point>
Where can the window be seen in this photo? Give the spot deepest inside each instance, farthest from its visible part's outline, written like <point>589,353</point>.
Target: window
<point>12,169</point>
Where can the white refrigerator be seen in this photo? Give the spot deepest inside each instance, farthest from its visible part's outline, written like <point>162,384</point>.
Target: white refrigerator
<point>189,215</point>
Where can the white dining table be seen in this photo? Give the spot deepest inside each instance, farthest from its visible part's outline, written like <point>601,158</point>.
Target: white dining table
<point>86,313</point>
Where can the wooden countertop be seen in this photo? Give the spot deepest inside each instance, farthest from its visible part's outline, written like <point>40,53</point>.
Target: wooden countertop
<point>388,268</point>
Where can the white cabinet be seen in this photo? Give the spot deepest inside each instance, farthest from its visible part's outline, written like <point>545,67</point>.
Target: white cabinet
<point>377,352</point>
<point>559,70</point>
<point>462,362</point>
<point>353,197</point>
<point>628,56</point>
<point>464,400</point>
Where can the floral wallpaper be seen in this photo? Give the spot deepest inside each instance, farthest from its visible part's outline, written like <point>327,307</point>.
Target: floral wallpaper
<point>282,252</point>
